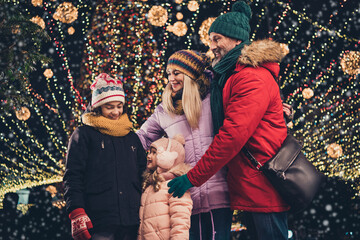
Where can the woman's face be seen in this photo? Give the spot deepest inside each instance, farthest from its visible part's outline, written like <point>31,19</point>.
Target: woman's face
<point>112,110</point>
<point>151,159</point>
<point>176,79</point>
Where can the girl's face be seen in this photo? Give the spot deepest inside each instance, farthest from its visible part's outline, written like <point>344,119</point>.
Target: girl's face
<point>112,110</point>
<point>176,79</point>
<point>151,159</point>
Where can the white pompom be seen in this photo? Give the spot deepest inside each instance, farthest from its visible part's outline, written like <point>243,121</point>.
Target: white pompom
<point>180,138</point>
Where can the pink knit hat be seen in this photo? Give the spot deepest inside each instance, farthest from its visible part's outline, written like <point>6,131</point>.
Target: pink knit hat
<point>170,152</point>
<point>106,89</point>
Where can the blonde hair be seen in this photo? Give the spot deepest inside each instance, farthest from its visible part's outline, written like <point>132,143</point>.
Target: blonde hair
<point>191,101</point>
<point>151,178</point>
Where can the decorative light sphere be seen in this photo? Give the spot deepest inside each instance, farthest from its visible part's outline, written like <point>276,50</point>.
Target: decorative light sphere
<point>157,16</point>
<point>71,30</point>
<point>193,6</point>
<point>334,150</point>
<point>179,16</point>
<point>39,21</point>
<point>204,29</point>
<point>307,93</point>
<point>350,62</point>
<point>23,114</point>
<point>48,73</point>
<point>37,3</point>
<point>179,28</point>
<point>178,1</point>
<point>66,12</point>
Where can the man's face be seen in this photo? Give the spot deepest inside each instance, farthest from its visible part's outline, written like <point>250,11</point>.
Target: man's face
<point>220,45</point>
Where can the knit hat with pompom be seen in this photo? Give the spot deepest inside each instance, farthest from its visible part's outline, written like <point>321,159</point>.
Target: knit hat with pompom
<point>170,152</point>
<point>234,24</point>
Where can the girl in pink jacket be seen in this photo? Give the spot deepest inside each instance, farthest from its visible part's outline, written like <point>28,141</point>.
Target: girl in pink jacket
<point>161,215</point>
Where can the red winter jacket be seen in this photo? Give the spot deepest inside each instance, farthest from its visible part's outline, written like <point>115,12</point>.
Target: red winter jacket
<point>254,119</point>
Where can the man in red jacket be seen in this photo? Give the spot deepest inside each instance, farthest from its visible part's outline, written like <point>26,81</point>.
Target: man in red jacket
<point>247,112</point>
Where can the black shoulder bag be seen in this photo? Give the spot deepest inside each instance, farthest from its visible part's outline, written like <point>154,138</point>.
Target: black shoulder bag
<point>294,177</point>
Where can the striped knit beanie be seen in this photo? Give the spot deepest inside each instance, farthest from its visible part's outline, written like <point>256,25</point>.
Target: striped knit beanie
<point>234,24</point>
<point>189,62</point>
<point>106,89</point>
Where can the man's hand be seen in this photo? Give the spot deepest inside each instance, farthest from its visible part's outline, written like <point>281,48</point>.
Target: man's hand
<point>289,111</point>
<point>178,186</point>
<point>80,224</point>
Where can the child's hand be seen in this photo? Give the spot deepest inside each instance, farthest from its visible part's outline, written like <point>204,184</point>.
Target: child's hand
<point>178,186</point>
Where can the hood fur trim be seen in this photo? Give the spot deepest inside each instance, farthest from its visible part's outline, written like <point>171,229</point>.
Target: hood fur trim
<point>261,51</point>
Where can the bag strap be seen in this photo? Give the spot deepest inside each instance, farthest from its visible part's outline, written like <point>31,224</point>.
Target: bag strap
<point>247,153</point>
<point>253,160</point>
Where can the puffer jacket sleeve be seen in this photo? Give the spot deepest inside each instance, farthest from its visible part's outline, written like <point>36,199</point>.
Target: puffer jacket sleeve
<point>151,130</point>
<point>141,159</point>
<point>247,105</point>
<point>75,171</point>
<point>180,213</point>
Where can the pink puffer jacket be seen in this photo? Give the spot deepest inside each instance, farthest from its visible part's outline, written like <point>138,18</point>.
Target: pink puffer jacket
<point>163,216</point>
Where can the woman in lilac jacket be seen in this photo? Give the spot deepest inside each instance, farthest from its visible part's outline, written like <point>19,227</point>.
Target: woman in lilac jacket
<point>186,110</point>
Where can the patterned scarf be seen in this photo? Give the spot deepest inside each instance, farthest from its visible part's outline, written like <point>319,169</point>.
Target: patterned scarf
<point>116,128</point>
<point>223,70</point>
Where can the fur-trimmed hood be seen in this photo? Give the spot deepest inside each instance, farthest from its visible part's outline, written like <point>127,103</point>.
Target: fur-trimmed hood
<point>154,179</point>
<point>262,51</point>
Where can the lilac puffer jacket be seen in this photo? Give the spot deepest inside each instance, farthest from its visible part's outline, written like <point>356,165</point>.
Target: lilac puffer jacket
<point>214,193</point>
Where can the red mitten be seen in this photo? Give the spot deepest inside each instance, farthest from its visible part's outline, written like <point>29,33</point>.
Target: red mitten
<point>80,223</point>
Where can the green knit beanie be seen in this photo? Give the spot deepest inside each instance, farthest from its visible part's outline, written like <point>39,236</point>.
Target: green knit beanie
<point>234,24</point>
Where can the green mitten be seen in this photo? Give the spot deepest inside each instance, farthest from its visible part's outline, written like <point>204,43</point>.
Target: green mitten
<point>178,186</point>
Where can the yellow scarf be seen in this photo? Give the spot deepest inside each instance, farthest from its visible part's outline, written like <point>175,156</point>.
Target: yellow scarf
<point>117,128</point>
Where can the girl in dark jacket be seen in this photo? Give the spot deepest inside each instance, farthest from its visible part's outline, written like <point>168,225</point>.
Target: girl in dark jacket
<point>104,164</point>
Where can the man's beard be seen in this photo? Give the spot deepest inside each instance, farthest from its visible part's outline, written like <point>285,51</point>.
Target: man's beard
<point>216,60</point>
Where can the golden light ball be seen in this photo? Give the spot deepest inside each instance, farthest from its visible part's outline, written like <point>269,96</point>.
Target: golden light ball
<point>179,16</point>
<point>157,16</point>
<point>307,93</point>
<point>23,114</point>
<point>37,3</point>
<point>179,28</point>
<point>204,29</point>
<point>350,62</point>
<point>71,30</point>
<point>193,6</point>
<point>178,1</point>
<point>66,12</point>
<point>48,73</point>
<point>334,150</point>
<point>39,21</point>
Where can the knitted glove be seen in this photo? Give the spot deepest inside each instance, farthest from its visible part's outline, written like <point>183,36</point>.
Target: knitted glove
<point>178,186</point>
<point>80,223</point>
